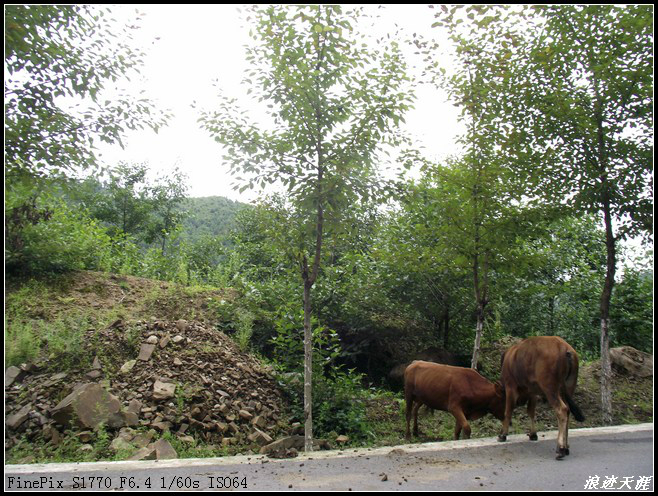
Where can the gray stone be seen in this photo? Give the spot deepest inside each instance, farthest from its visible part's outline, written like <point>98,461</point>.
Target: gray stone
<point>119,444</point>
<point>13,374</point>
<point>163,390</point>
<point>135,406</point>
<point>627,359</point>
<point>130,418</point>
<point>145,453</point>
<point>93,374</point>
<point>127,367</point>
<point>259,437</point>
<point>142,440</point>
<point>88,406</point>
<point>164,450</point>
<point>291,442</point>
<point>244,414</point>
<point>259,422</point>
<point>14,421</point>
<point>145,352</point>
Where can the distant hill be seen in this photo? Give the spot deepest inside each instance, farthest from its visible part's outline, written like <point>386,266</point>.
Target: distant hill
<point>209,215</point>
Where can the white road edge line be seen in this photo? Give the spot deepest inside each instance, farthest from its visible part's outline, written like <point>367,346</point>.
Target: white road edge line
<point>253,459</point>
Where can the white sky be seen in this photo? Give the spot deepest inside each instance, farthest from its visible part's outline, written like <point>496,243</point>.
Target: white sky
<point>200,43</point>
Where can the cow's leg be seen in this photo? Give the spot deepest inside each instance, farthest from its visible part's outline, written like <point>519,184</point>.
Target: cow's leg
<point>461,424</point>
<point>510,403</point>
<point>416,408</point>
<point>532,407</point>
<point>409,404</point>
<point>562,412</point>
<point>566,435</point>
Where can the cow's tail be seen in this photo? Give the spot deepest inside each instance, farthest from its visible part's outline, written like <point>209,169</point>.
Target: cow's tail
<point>575,409</point>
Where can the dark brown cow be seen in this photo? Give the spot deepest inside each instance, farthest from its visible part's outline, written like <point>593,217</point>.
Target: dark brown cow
<point>458,390</point>
<point>541,365</point>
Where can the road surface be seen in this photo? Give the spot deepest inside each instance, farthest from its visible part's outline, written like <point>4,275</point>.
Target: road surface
<point>607,458</point>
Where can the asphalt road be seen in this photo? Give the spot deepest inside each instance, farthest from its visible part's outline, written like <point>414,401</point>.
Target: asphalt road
<point>611,458</point>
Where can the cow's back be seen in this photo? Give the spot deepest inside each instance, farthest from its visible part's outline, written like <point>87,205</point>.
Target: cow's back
<point>538,362</point>
<point>435,384</point>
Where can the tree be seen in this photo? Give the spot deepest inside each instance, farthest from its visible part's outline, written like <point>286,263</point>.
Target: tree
<point>482,199</point>
<point>129,204</point>
<point>54,53</point>
<point>584,106</point>
<point>476,226</point>
<point>333,102</point>
<point>56,56</point>
<point>123,201</point>
<point>553,290</point>
<point>166,198</point>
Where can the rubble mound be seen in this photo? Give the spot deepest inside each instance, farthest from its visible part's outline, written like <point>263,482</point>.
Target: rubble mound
<point>180,376</point>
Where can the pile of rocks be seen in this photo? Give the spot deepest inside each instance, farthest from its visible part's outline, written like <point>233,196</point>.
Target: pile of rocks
<point>146,378</point>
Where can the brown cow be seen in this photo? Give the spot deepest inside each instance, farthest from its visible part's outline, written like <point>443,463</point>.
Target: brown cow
<point>541,365</point>
<point>461,391</point>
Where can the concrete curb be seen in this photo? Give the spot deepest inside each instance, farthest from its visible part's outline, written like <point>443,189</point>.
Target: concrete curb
<point>316,455</point>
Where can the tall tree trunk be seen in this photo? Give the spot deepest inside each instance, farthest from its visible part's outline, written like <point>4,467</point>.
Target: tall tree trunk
<point>606,369</point>
<point>481,289</point>
<point>308,369</point>
<point>309,276</point>
<point>478,334</point>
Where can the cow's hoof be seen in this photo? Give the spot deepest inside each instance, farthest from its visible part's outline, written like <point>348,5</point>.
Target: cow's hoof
<point>533,436</point>
<point>502,439</point>
<point>561,453</point>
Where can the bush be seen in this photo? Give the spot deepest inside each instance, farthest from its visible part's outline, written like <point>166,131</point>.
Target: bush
<point>67,240</point>
<point>338,396</point>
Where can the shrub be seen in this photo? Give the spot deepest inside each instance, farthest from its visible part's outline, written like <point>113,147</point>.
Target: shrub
<point>67,240</point>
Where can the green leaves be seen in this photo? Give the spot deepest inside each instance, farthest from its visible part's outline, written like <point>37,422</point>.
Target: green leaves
<point>65,51</point>
<point>334,105</point>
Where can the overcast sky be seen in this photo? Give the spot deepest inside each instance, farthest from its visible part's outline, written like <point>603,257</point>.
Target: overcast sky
<point>197,44</point>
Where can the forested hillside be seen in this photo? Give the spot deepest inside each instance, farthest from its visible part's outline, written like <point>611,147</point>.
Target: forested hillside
<point>212,216</point>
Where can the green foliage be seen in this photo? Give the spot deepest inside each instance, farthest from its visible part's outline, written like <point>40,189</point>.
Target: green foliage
<point>210,217</point>
<point>338,394</point>
<point>631,313</point>
<point>592,83</point>
<point>244,329</point>
<point>130,204</point>
<point>555,289</point>
<point>122,202</point>
<point>65,239</point>
<point>21,343</point>
<point>53,52</point>
<point>60,340</point>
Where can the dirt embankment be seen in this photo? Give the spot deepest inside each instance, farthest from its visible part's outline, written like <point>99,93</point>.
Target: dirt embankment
<point>159,376</point>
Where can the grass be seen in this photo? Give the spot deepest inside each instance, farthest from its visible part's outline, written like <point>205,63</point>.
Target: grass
<point>61,341</point>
